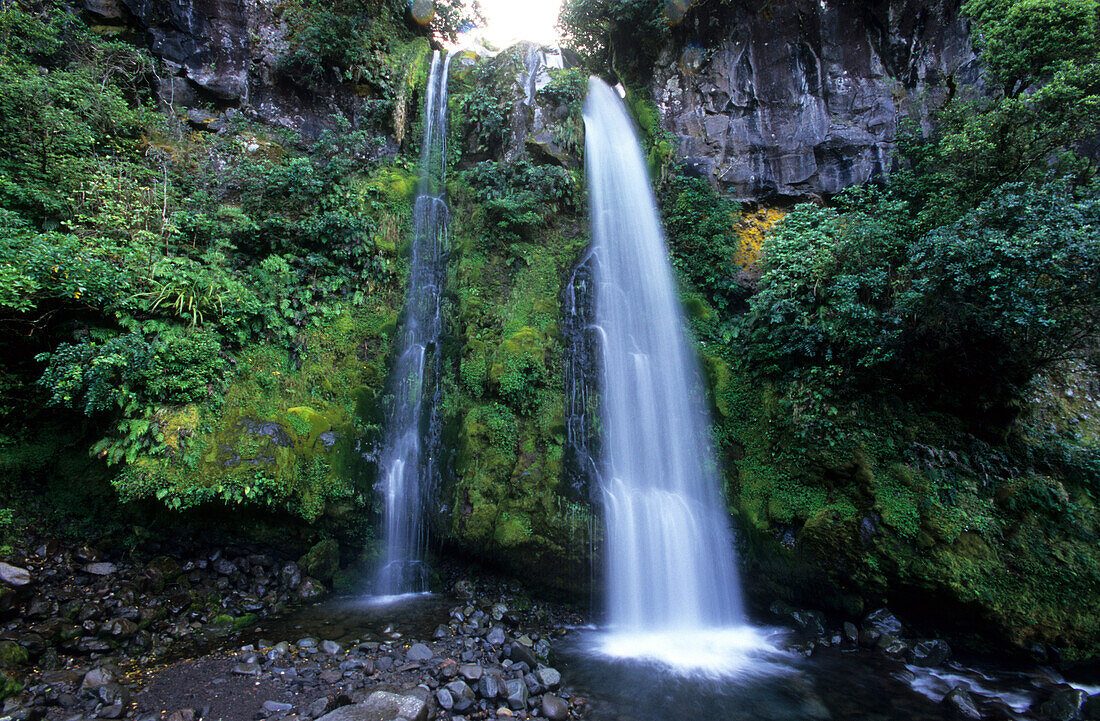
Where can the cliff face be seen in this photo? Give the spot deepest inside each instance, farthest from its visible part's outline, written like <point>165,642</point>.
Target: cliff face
<point>228,54</point>
<point>803,99</point>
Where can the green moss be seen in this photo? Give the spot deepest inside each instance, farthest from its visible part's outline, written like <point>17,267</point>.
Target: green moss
<point>9,687</point>
<point>282,435</point>
<point>13,655</point>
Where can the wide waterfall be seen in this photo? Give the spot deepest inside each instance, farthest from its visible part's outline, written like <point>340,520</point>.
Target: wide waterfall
<point>671,576</point>
<point>408,463</point>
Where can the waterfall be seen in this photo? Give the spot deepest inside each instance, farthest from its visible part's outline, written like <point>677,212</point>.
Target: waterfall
<point>408,465</point>
<point>669,547</point>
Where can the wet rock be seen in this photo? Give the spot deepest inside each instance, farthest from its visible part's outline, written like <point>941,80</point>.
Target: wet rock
<point>113,711</point>
<point>1090,711</point>
<point>883,621</point>
<point>322,561</point>
<point>99,677</point>
<point>495,636</point>
<point>893,647</point>
<point>100,569</point>
<point>961,704</point>
<point>548,677</point>
<point>183,714</point>
<point>309,589</point>
<point>461,694</point>
<point>516,692</point>
<point>322,706</point>
<point>464,589</point>
<point>929,653</point>
<point>444,699</point>
<point>247,669</point>
<point>419,652</point>
<point>490,687</point>
<point>522,654</point>
<point>471,671</point>
<point>14,575</point>
<point>554,708</point>
<point>290,575</point>
<point>277,706</point>
<point>384,706</point>
<point>441,631</point>
<point>1064,704</point>
<point>332,648</point>
<point>121,628</point>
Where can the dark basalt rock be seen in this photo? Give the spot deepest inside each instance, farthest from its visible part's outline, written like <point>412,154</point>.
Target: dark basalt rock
<point>805,99</point>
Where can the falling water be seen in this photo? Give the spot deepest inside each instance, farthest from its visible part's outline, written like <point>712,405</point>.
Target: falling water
<point>408,463</point>
<point>671,576</point>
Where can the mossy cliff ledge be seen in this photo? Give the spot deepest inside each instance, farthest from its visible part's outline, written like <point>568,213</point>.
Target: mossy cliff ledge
<point>518,230</point>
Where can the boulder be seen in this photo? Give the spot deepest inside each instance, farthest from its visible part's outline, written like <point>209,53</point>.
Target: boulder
<point>961,704</point>
<point>14,575</point>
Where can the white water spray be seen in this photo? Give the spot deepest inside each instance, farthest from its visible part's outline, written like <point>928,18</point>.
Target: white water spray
<point>673,590</point>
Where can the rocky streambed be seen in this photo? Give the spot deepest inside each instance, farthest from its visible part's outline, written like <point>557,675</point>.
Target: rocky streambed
<point>237,633</point>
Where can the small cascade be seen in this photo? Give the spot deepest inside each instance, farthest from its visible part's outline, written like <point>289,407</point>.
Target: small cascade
<point>408,465</point>
<point>671,577</point>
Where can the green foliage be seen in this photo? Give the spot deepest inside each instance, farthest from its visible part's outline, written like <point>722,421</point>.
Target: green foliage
<point>628,34</point>
<point>1026,41</point>
<point>487,113</point>
<point>700,226</point>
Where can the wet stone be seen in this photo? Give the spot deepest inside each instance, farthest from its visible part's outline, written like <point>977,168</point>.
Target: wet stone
<point>277,706</point>
<point>495,636</point>
<point>516,691</point>
<point>554,708</point>
<point>490,687</point>
<point>100,569</point>
<point>331,648</point>
<point>247,669</point>
<point>470,671</point>
<point>961,704</point>
<point>419,652</point>
<point>444,699</point>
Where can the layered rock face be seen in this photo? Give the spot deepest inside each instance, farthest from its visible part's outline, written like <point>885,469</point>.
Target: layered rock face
<point>804,98</point>
<point>227,53</point>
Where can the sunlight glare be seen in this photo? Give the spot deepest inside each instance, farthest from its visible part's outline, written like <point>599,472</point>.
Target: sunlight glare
<point>508,21</point>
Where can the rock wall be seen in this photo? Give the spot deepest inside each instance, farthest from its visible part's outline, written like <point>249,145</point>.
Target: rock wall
<point>227,54</point>
<point>804,98</point>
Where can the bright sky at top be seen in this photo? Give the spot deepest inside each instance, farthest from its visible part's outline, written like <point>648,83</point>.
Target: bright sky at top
<point>509,21</point>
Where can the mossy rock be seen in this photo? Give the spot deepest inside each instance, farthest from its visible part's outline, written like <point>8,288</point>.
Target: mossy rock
<point>9,687</point>
<point>322,561</point>
<point>12,655</point>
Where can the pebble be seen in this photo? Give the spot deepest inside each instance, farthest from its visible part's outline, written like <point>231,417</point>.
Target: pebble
<point>277,706</point>
<point>419,652</point>
<point>554,708</point>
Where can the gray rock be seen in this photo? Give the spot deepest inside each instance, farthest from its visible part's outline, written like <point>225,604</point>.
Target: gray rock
<point>247,669</point>
<point>100,569</point>
<point>419,652</point>
<point>516,691</point>
<point>883,621</point>
<point>444,699</point>
<point>929,653</point>
<point>14,575</point>
<point>522,654</point>
<point>461,694</point>
<point>961,704</point>
<point>495,636</point>
<point>490,687</point>
<point>554,708</point>
<point>471,671</point>
<point>384,706</point>
<point>332,648</point>
<point>548,677</point>
<point>99,677</point>
<point>851,633</point>
<point>277,706</point>
<point>806,99</point>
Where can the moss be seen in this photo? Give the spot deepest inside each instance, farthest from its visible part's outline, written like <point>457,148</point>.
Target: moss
<point>754,227</point>
<point>282,435</point>
<point>9,687</point>
<point>13,655</point>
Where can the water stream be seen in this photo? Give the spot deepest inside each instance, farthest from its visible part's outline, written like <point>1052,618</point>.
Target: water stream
<point>673,593</point>
<point>409,460</point>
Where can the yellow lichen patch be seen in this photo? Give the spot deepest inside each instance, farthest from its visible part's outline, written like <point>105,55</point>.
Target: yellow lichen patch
<point>751,232</point>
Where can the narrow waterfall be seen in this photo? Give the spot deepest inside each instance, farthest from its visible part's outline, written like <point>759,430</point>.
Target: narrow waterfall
<point>408,462</point>
<point>669,546</point>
